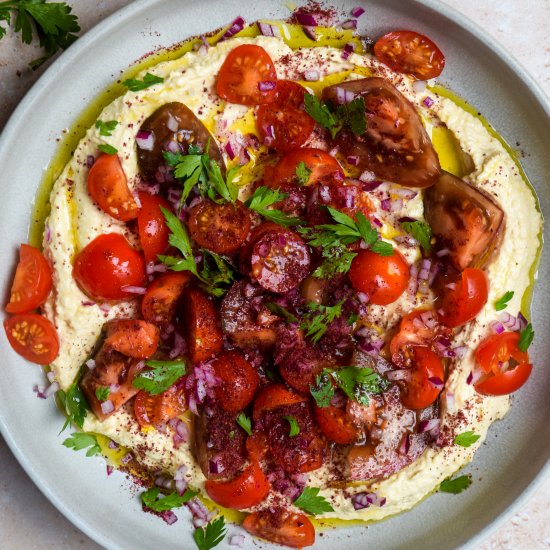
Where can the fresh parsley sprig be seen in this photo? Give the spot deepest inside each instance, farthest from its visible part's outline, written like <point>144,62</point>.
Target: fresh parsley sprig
<point>161,376</point>
<point>135,85</point>
<point>245,423</point>
<point>52,22</point>
<point>294,427</point>
<point>302,173</point>
<point>421,232</point>
<point>217,273</point>
<point>337,259</point>
<point>316,321</point>
<point>73,403</point>
<point>80,440</point>
<point>466,439</point>
<point>263,198</point>
<point>151,500</point>
<point>502,302</point>
<point>456,485</point>
<point>102,393</point>
<point>311,503</point>
<point>107,149</point>
<point>211,534</point>
<point>526,337</point>
<point>106,128</point>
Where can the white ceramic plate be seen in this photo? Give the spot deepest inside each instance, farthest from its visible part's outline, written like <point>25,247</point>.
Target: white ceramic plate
<point>517,449</point>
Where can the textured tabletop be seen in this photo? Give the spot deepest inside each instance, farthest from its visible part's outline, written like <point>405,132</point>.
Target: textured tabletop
<point>27,519</point>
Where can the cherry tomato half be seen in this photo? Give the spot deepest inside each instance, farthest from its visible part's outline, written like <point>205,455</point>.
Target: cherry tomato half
<point>382,278</point>
<point>132,337</point>
<point>32,282</point>
<point>493,355</point>
<point>411,53</point>
<point>33,337</point>
<point>158,409</point>
<point>106,265</point>
<point>336,424</point>
<point>273,396</point>
<point>245,70</point>
<point>160,300</point>
<point>153,231</point>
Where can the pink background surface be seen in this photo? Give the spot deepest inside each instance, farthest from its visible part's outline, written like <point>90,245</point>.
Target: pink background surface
<point>27,519</point>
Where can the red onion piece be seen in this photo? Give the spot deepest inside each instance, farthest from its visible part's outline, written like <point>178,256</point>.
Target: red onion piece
<point>450,398</point>
<point>312,75</point>
<point>442,252</point>
<point>169,517</point>
<point>353,160</point>
<point>306,19</point>
<point>128,457</point>
<point>113,445</point>
<point>90,159</point>
<point>107,407</point>
<point>229,150</point>
<point>237,540</point>
<point>497,327</point>
<point>359,501</point>
<point>134,289</point>
<point>236,26</point>
<point>266,85</point>
<point>172,123</point>
<point>350,24</point>
<point>204,43</point>
<point>269,30</point>
<point>405,445</point>
<point>110,469</point>
<point>349,48</point>
<point>428,425</point>
<point>90,363</point>
<point>344,95</point>
<point>357,11</point>
<point>401,374</point>
<point>428,102</point>
<point>145,140</point>
<point>310,32</point>
<point>407,194</point>
<point>436,382</point>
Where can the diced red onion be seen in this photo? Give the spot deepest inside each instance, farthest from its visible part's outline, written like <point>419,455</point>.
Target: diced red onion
<point>349,48</point>
<point>180,472</point>
<point>178,347</point>
<point>497,327</point>
<point>105,307</point>
<point>359,501</point>
<point>369,177</point>
<point>236,26</point>
<point>460,351</point>
<point>198,509</point>
<point>401,374</point>
<point>413,280</point>
<point>113,445</point>
<point>39,390</point>
<point>509,321</point>
<point>373,498</point>
<point>436,382</point>
<point>172,147</point>
<point>90,363</point>
<point>51,377</point>
<point>310,32</point>
<point>442,252</point>
<point>90,159</point>
<point>407,240</point>
<point>107,407</point>
<point>357,11</point>
<point>523,322</point>
<point>229,150</point>
<point>363,298</point>
<point>306,19</point>
<point>244,157</point>
<point>419,86</point>
<point>312,75</point>
<point>172,123</point>
<point>334,151</point>
<point>428,319</point>
<point>428,425</point>
<point>164,482</point>
<point>405,445</point>
<point>128,457</point>
<point>450,398</point>
<point>474,376</point>
<point>204,43</point>
<point>350,24</point>
<point>237,540</point>
<point>134,289</point>
<point>407,194</point>
<point>269,30</point>
<point>376,221</point>
<point>169,517</point>
<point>51,389</point>
<point>114,388</point>
<point>428,102</point>
<point>110,469</point>
<point>270,131</point>
<point>145,140</point>
<point>266,85</point>
<point>343,95</point>
<point>353,160</point>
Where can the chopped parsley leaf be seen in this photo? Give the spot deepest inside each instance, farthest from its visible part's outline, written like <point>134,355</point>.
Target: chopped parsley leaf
<point>106,128</point>
<point>137,85</point>
<point>162,375</point>
<point>211,534</point>
<point>245,423</point>
<point>294,428</point>
<point>323,391</point>
<point>280,311</point>
<point>102,393</point>
<point>421,232</point>
<point>502,302</point>
<point>107,149</point>
<point>216,274</point>
<point>316,322</point>
<point>466,439</point>
<point>150,499</point>
<point>311,503</point>
<point>302,173</point>
<point>80,440</point>
<point>526,337</point>
<point>263,198</point>
<point>73,402</point>
<point>456,485</point>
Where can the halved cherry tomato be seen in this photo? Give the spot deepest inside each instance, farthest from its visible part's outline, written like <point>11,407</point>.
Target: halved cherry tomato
<point>132,337</point>
<point>283,123</point>
<point>382,278</point>
<point>160,300</point>
<point>108,187</point>
<point>418,392</point>
<point>32,282</point>
<point>465,300</point>
<point>106,265</point>
<point>411,53</point>
<point>246,490</point>
<point>242,74</point>
<point>496,353</point>
<point>153,231</point>
<point>33,337</point>
<point>256,446</point>
<point>273,396</point>
<point>239,381</point>
<point>221,228</point>
<point>282,527</point>
<point>157,409</point>
<point>336,424</point>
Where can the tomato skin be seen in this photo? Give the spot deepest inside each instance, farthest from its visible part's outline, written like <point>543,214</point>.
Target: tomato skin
<point>283,123</point>
<point>273,396</point>
<point>32,282</point>
<point>133,338</point>
<point>282,527</point>
<point>243,70</point>
<point>160,300</point>
<point>33,337</point>
<point>500,348</point>
<point>466,300</point>
<point>410,52</point>
<point>157,409</point>
<point>382,278</point>
<point>419,392</point>
<point>153,231</point>
<point>106,265</point>
<point>336,424</point>
<point>246,490</point>
<point>239,381</point>
<point>108,187</point>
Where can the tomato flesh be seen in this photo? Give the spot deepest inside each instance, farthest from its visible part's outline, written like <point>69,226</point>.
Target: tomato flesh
<point>157,409</point>
<point>336,424</point>
<point>33,337</point>
<point>32,282</point>
<point>133,338</point>
<point>153,231</point>
<point>159,302</point>
<point>273,396</point>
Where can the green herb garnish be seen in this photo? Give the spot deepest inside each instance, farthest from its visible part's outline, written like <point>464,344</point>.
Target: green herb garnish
<point>302,173</point>
<point>107,149</point>
<point>211,534</point>
<point>80,440</point>
<point>502,302</point>
<point>421,232</point>
<point>456,485</point>
<point>311,503</point>
<point>276,309</point>
<point>217,273</point>
<point>526,337</point>
<point>102,393</point>
<point>162,375</point>
<point>137,85</point>
<point>245,423</point>
<point>106,128</point>
<point>316,322</point>
<point>263,198</point>
<point>323,391</point>
<point>294,427</point>
<point>173,500</point>
<point>466,439</point>
<point>73,402</point>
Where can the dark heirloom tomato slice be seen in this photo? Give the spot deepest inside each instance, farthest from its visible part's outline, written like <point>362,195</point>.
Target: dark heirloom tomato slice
<point>32,282</point>
<point>246,490</point>
<point>239,381</point>
<point>33,337</point>
<point>411,53</point>
<point>173,127</point>
<point>395,146</point>
<point>160,300</point>
<point>106,265</point>
<point>336,424</point>
<point>284,123</point>
<point>153,231</point>
<point>465,220</point>
<point>201,325</point>
<point>382,278</point>
<point>108,187</point>
<point>132,337</point>
<point>158,409</point>
<point>282,527</point>
<point>280,261</point>
<point>246,70</point>
<point>221,228</point>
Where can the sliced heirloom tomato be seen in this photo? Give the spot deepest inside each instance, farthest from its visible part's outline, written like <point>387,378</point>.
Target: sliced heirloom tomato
<point>247,76</point>
<point>221,228</point>
<point>32,282</point>
<point>282,527</point>
<point>161,298</point>
<point>33,337</point>
<point>246,490</point>
<point>410,52</point>
<point>507,367</point>
<point>463,301</point>
<point>283,123</point>
<point>158,409</point>
<point>336,424</point>
<point>382,278</point>
<point>153,231</point>
<point>106,265</point>
<point>132,337</point>
<point>108,187</point>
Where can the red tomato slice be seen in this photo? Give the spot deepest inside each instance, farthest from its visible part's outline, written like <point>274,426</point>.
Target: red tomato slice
<point>411,53</point>
<point>419,392</point>
<point>246,490</point>
<point>493,355</point>
<point>32,282</point>
<point>33,337</point>
<point>133,338</point>
<point>108,187</point>
<point>157,409</point>
<point>160,300</point>
<point>153,231</point>
<point>243,73</point>
<point>221,228</point>
<point>382,278</point>
<point>273,396</point>
<point>106,265</point>
<point>336,424</point>
<point>239,381</point>
<point>463,302</point>
<point>284,124</point>
<point>282,527</point>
